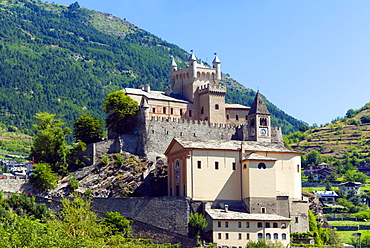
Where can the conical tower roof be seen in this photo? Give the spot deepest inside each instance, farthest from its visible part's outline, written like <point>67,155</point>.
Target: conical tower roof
<point>259,106</point>
<point>192,56</point>
<point>173,62</point>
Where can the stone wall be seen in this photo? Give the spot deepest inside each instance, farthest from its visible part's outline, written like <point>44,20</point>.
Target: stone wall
<point>169,213</point>
<point>162,219</point>
<point>15,185</point>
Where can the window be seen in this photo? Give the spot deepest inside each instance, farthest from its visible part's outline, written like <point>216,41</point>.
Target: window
<point>216,165</point>
<point>237,117</point>
<point>219,224</point>
<point>153,110</point>
<point>275,225</point>
<point>177,164</point>
<point>298,168</point>
<point>267,225</point>
<point>164,110</point>
<point>219,235</point>
<point>239,236</point>
<point>259,224</point>
<point>247,236</point>
<point>226,236</point>
<point>283,236</point>
<point>259,236</point>
<point>246,117</point>
<point>261,166</point>
<point>247,224</point>
<point>276,236</point>
<point>234,166</point>
<point>268,236</point>
<point>171,111</point>
<point>216,106</point>
<point>283,225</point>
<point>180,133</point>
<point>202,111</point>
<point>199,164</point>
<point>263,121</point>
<point>244,166</point>
<point>184,190</point>
<point>263,211</point>
<point>226,224</point>
<point>170,191</point>
<point>296,220</point>
<point>189,113</point>
<point>252,123</point>
<point>227,117</point>
<point>239,225</point>
<point>180,111</point>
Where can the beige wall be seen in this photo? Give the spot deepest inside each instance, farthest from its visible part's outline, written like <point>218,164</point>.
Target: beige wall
<point>209,183</point>
<point>232,113</point>
<point>238,236</point>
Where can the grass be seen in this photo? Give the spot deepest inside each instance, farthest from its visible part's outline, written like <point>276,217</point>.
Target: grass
<point>347,236</point>
<point>349,223</point>
<point>310,189</point>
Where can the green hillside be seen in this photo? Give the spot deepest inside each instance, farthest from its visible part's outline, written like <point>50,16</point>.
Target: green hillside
<point>66,59</point>
<point>344,141</point>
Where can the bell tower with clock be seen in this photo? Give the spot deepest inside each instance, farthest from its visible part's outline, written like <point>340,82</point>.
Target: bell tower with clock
<point>259,124</point>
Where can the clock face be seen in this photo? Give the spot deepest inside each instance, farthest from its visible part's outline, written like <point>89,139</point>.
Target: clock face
<point>263,131</point>
<point>253,132</point>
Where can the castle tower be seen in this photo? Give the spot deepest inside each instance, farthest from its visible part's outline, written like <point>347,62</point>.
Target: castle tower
<point>172,68</point>
<point>259,124</point>
<point>217,65</point>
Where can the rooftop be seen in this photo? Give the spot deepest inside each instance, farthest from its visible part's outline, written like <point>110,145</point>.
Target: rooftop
<point>157,95</point>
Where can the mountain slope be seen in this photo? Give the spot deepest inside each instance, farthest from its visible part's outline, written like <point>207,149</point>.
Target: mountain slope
<point>66,59</point>
<point>347,138</point>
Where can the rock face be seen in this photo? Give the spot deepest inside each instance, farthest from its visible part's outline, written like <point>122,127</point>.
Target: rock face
<point>316,208</point>
<point>124,175</point>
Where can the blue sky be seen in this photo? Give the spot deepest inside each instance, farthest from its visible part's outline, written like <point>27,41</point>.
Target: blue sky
<point>310,58</point>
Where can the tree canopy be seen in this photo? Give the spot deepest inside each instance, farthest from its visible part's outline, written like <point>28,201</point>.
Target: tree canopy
<point>119,108</point>
<point>88,129</point>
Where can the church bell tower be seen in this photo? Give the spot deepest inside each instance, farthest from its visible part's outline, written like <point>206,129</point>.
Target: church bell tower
<point>259,121</point>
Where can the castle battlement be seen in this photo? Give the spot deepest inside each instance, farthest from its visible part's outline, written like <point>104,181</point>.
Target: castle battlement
<point>207,88</point>
<point>192,122</point>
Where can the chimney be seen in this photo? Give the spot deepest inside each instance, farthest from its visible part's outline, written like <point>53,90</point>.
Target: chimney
<point>147,88</point>
<point>226,208</point>
<point>167,91</point>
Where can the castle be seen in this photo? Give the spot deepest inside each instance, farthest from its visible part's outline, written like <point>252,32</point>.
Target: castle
<point>227,156</point>
<point>195,109</point>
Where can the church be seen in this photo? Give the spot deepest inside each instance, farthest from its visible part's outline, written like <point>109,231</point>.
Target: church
<point>227,156</point>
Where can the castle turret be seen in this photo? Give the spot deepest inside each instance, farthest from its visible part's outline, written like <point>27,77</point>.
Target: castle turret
<point>217,65</point>
<point>259,125</point>
<point>172,68</point>
<point>193,65</point>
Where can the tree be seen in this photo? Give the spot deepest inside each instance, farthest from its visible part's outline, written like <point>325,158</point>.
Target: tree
<point>119,108</point>
<point>44,177</point>
<point>118,223</point>
<point>49,145</point>
<point>350,113</point>
<point>313,157</point>
<point>88,129</point>
<point>198,222</point>
<point>355,176</point>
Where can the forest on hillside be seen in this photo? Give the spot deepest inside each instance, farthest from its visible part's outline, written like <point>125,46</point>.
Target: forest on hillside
<point>66,59</point>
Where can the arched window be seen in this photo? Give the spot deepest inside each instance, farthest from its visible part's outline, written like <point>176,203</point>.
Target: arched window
<point>283,236</point>
<point>263,121</point>
<point>217,106</point>
<point>283,225</point>
<point>260,236</point>
<point>276,236</point>
<point>259,224</point>
<point>267,224</point>
<point>177,164</point>
<point>261,166</point>
<point>275,225</point>
<point>268,236</point>
<point>252,123</point>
